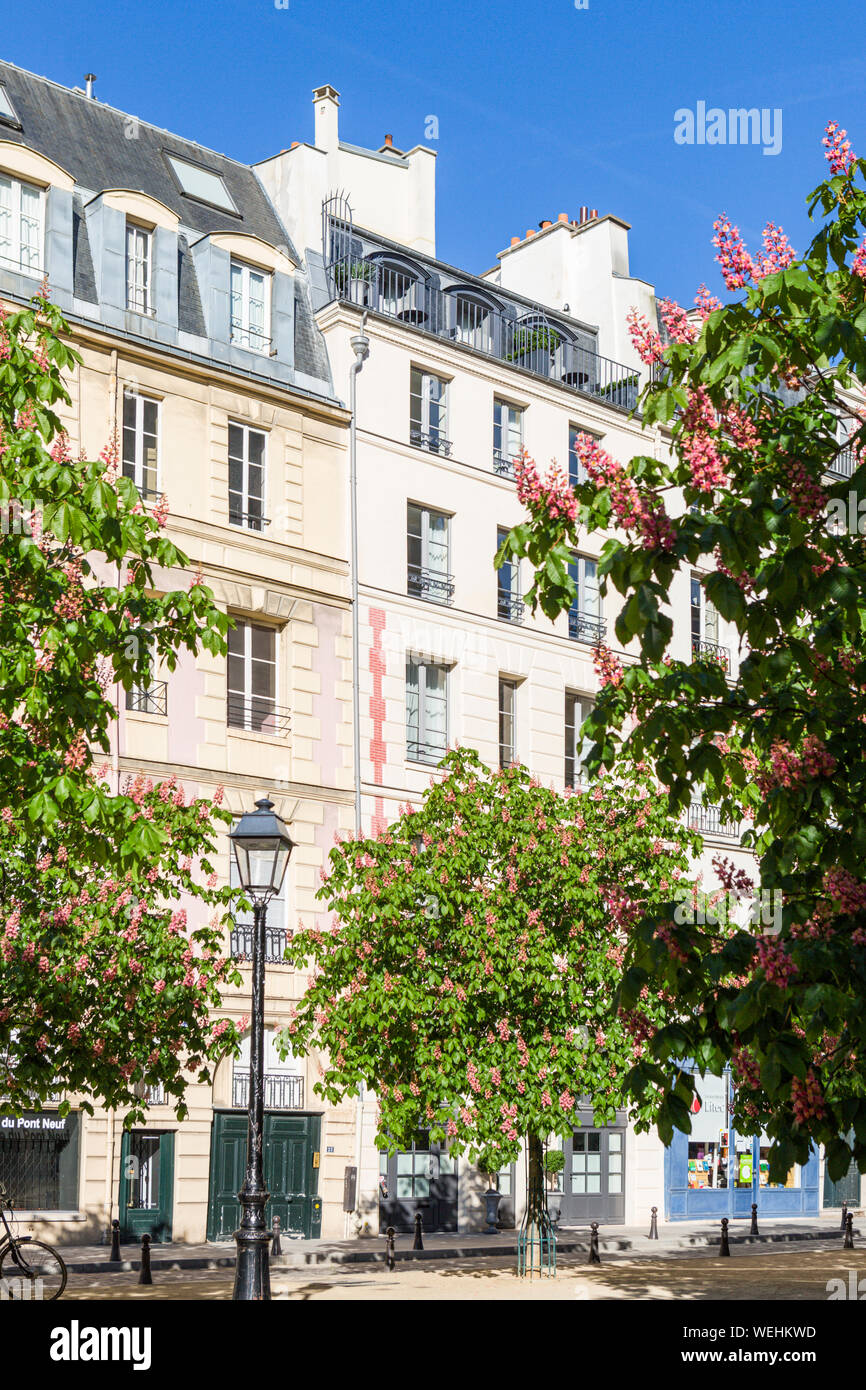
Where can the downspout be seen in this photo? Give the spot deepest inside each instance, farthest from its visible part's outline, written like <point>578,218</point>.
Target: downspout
<point>360,344</point>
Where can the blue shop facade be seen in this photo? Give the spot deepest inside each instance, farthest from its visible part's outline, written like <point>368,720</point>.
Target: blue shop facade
<point>715,1172</point>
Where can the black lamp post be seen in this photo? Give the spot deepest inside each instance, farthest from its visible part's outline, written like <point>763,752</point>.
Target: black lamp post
<point>262,846</point>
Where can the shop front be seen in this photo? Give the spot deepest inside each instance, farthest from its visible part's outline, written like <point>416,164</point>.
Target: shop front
<point>39,1161</point>
<point>715,1172</point>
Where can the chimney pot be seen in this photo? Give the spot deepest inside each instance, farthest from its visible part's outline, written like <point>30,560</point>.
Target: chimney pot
<point>544,224</point>
<point>90,78</point>
<point>563,217</point>
<point>389,139</point>
<point>593,214</point>
<point>294,145</point>
<point>584,214</point>
<point>530,231</point>
<point>515,241</point>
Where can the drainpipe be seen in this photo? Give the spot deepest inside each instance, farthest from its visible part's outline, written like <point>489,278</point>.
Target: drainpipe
<point>360,344</point>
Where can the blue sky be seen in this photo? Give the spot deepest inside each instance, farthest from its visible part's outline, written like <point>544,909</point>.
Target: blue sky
<point>541,107</point>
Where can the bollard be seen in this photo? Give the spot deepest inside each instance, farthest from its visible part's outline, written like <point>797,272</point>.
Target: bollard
<point>114,1257</point>
<point>753,1229</point>
<point>654,1225</point>
<point>594,1257</point>
<point>724,1248</point>
<point>844,1221</point>
<point>848,1242</point>
<point>145,1276</point>
<point>389,1248</point>
<point>276,1248</point>
<point>418,1244</point>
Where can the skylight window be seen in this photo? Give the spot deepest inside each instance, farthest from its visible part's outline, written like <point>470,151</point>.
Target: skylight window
<point>201,183</point>
<point>7,110</point>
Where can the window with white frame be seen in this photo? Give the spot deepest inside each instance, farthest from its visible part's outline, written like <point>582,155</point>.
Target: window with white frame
<point>252,680</point>
<point>246,477</point>
<point>428,543</point>
<point>509,600</point>
<point>585,623</point>
<point>706,645</point>
<point>577,745</point>
<point>21,225</point>
<point>8,114</point>
<point>426,711</point>
<point>140,449</point>
<point>507,437</point>
<point>139,269</point>
<point>507,721</point>
<point>250,307</point>
<point>428,411</point>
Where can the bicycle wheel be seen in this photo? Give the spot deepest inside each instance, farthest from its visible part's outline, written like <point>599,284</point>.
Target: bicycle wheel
<point>32,1271</point>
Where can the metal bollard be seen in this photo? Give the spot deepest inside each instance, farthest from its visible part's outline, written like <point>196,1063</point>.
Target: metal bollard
<point>145,1276</point>
<point>848,1242</point>
<point>724,1248</point>
<point>276,1248</point>
<point>594,1257</point>
<point>114,1257</point>
<point>418,1243</point>
<point>654,1225</point>
<point>844,1221</point>
<point>389,1248</point>
<point>753,1229</point>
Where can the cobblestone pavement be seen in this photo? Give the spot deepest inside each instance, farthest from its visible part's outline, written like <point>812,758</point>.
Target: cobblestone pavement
<point>752,1275</point>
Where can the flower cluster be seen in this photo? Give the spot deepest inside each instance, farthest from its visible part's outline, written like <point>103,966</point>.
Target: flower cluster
<point>807,1098</point>
<point>676,321</point>
<point>552,495</point>
<point>837,149</point>
<point>646,341</point>
<point>632,509</point>
<point>732,255</point>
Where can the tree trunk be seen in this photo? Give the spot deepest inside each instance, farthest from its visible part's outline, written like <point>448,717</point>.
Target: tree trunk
<point>536,1196</point>
<point>536,1241</point>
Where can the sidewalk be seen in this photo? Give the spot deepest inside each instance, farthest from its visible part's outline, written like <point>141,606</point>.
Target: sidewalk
<point>674,1237</point>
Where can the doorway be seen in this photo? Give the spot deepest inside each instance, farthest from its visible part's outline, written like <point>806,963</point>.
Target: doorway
<point>146,1193</point>
<point>423,1178</point>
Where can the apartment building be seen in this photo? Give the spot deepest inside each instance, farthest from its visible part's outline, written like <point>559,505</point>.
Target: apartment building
<point>465,371</point>
<point>191,309</point>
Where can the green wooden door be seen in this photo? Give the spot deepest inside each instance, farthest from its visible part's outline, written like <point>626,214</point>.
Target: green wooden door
<point>290,1151</point>
<point>146,1193</point>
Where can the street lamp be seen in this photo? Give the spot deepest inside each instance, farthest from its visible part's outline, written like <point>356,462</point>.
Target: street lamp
<point>262,847</point>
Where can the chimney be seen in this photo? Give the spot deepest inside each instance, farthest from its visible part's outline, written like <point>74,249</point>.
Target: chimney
<point>563,217</point>
<point>544,224</point>
<point>530,231</point>
<point>90,78</point>
<point>584,213</point>
<point>326,104</point>
<point>515,241</point>
<point>389,140</point>
<point>593,214</point>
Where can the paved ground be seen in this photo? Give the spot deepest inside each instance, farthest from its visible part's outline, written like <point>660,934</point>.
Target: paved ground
<point>755,1274</point>
<point>613,1241</point>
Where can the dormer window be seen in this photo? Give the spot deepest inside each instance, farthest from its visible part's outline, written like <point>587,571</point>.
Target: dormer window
<point>205,185</point>
<point>139,269</point>
<point>21,225</point>
<point>251,307</point>
<point>8,114</point>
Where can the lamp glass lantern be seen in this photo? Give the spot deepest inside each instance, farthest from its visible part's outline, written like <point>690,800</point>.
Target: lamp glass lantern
<point>262,847</point>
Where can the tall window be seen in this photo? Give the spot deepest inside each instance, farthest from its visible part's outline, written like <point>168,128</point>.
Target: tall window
<point>141,441</point>
<point>252,679</point>
<point>139,269</point>
<point>426,711</point>
<point>509,603</point>
<point>576,470</point>
<point>577,709</point>
<point>428,535</point>
<point>21,225</point>
<point>585,622</point>
<point>246,477</point>
<point>428,402</point>
<point>507,732</point>
<point>251,307</point>
<point>705,628</point>
<point>507,437</point>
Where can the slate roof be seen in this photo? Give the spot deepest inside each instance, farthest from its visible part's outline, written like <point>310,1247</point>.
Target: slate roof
<point>94,143</point>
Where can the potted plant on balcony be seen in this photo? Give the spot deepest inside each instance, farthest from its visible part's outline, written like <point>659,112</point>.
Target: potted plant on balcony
<point>533,347</point>
<point>352,278</point>
<point>554,1163</point>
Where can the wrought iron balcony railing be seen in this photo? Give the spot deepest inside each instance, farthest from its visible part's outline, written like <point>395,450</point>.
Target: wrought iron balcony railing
<point>708,820</point>
<point>586,627</point>
<point>510,606</point>
<point>258,715</point>
<point>425,751</point>
<point>711,651</point>
<point>524,337</point>
<point>844,465</point>
<point>503,463</point>
<point>152,699</point>
<point>242,943</point>
<point>433,441</point>
<point>283,1091</point>
<point>434,585</point>
<point>250,521</point>
<point>250,338</point>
